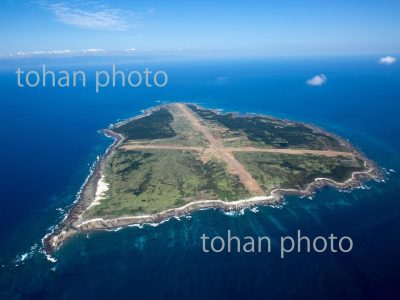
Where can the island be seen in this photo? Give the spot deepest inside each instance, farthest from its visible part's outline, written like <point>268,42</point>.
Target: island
<point>179,157</point>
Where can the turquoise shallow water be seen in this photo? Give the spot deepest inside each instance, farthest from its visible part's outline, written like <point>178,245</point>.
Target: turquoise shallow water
<point>50,140</point>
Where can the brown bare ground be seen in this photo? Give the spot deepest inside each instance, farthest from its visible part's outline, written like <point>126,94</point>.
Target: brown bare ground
<point>216,146</point>
<point>217,150</point>
<point>155,146</point>
<point>327,153</point>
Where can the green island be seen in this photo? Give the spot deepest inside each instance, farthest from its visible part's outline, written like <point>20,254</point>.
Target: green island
<point>179,157</point>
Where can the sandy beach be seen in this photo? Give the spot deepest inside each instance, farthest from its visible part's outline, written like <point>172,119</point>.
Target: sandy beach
<point>95,188</point>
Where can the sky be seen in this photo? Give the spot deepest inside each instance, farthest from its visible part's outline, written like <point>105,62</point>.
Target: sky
<point>244,28</point>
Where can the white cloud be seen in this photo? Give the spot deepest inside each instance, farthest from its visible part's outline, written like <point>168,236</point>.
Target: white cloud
<point>130,50</point>
<point>30,53</point>
<point>387,60</point>
<point>93,51</point>
<point>317,80</point>
<point>64,52</point>
<point>96,17</point>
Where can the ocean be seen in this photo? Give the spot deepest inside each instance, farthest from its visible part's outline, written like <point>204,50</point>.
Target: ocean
<point>50,140</point>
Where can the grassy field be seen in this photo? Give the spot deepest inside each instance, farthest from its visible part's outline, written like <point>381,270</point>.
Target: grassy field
<point>272,170</point>
<point>150,181</point>
<point>183,157</point>
<point>269,132</point>
<point>154,126</point>
<point>186,135</point>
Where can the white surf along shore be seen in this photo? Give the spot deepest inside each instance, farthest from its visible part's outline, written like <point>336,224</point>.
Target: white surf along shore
<point>275,197</point>
<point>98,186</point>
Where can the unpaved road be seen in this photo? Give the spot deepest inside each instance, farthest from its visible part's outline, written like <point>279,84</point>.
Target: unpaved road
<point>216,149</point>
<point>233,166</point>
<point>327,153</point>
<point>155,146</point>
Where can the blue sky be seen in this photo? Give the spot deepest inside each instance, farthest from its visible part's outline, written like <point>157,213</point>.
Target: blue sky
<point>248,28</point>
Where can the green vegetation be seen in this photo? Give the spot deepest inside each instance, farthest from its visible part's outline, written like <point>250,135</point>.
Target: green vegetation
<point>273,170</point>
<point>154,180</point>
<point>173,156</point>
<point>153,126</point>
<point>185,134</point>
<point>272,133</point>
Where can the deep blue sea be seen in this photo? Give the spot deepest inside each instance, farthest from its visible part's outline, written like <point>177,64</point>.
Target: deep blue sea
<point>50,140</point>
